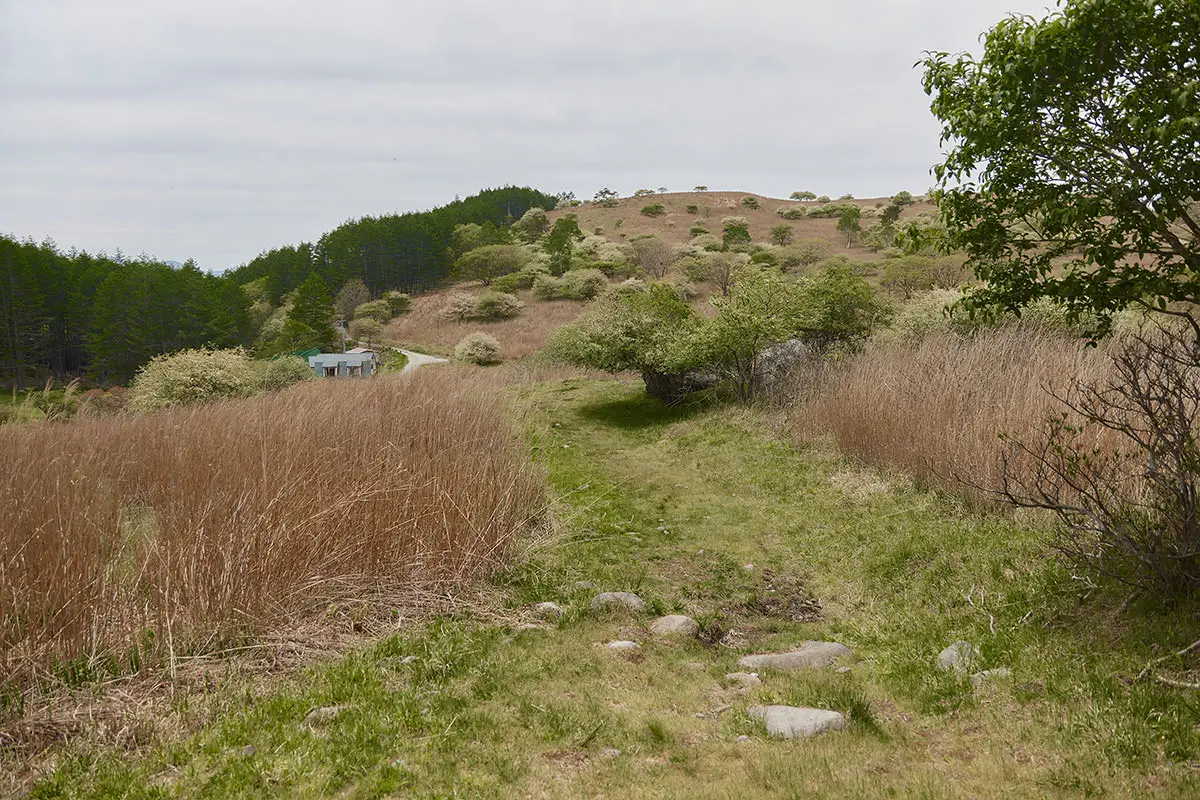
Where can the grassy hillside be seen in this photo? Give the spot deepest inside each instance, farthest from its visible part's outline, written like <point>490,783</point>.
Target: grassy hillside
<point>712,207</point>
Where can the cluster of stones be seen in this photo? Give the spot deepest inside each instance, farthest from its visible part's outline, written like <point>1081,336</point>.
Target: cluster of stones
<point>780,722</point>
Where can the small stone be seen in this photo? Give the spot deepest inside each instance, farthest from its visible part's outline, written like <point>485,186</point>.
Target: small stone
<point>748,567</point>
<point>674,625</point>
<point>409,660</point>
<point>619,600</point>
<point>624,645</point>
<point>744,679</point>
<point>319,716</point>
<point>957,657</point>
<point>585,585</point>
<point>248,751</point>
<point>810,654</point>
<point>609,752</point>
<point>981,679</point>
<point>792,722</point>
<point>742,739</point>
<point>842,670</point>
<point>550,612</point>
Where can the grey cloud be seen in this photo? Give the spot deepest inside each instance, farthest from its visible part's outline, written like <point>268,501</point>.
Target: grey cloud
<point>215,130</point>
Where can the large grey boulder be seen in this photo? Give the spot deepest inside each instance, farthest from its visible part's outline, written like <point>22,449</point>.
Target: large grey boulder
<point>810,655</point>
<point>958,657</point>
<point>674,625</point>
<point>796,722</point>
<point>606,601</point>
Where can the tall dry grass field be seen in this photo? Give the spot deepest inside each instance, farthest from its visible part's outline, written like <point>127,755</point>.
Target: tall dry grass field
<point>138,538</point>
<point>937,408</point>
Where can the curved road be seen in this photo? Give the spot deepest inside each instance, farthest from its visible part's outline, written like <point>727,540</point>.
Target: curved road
<point>418,359</point>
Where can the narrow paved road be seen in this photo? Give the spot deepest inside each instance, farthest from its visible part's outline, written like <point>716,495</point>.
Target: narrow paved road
<point>418,359</point>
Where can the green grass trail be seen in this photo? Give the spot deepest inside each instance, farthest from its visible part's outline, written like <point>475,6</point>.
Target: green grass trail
<point>710,512</point>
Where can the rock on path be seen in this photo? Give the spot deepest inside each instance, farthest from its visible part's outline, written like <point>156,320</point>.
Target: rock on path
<point>618,600</point>
<point>792,722</point>
<point>674,625</point>
<point>812,655</point>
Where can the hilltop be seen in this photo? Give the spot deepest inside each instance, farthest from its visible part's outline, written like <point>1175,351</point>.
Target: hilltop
<point>625,221</point>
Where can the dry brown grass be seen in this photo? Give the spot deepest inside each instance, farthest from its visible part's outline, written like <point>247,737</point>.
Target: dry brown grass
<point>519,337</point>
<point>936,409</point>
<point>135,540</point>
<point>712,207</point>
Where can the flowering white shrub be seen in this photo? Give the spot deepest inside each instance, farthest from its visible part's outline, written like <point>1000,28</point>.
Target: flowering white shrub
<point>193,376</point>
<point>478,348</point>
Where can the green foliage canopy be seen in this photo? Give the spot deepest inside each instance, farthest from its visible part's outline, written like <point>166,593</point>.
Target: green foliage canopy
<point>1074,164</point>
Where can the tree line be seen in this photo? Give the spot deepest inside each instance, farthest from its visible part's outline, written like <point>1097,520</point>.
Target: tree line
<point>404,252</point>
<point>71,314</point>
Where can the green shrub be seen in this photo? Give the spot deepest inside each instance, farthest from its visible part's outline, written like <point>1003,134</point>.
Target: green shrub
<point>829,210</point>
<point>767,258</point>
<point>697,230</point>
<point>823,198</point>
<point>509,283</point>
<point>583,284</point>
<point>804,196</point>
<point>279,373</point>
<point>478,348</point>
<point>547,287</point>
<point>792,212</point>
<point>398,302</point>
<point>380,310</point>
<point>643,193</point>
<point>654,210</point>
<point>193,376</point>
<point>498,305</point>
<point>693,209</point>
<point>706,241</point>
<point>750,202</point>
<point>735,230</point>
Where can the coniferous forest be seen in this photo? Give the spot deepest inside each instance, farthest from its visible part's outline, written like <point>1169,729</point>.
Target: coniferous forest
<point>72,314</point>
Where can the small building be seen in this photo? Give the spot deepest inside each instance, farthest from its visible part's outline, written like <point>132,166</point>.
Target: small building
<point>343,365</point>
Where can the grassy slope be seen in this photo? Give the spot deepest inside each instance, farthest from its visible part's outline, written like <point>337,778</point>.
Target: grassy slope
<point>712,207</point>
<point>674,505</point>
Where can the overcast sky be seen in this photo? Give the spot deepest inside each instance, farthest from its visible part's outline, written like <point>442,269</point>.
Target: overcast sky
<point>214,130</point>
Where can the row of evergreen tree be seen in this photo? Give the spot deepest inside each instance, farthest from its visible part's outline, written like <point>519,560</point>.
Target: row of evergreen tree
<point>71,314</point>
<point>403,252</point>
<point>68,314</point>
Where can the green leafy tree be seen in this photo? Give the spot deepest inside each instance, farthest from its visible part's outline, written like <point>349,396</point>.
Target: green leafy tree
<point>650,332</point>
<point>804,253</point>
<point>803,196</point>
<point>532,225</point>
<point>781,235</point>
<point>849,223</point>
<point>560,242</point>
<point>491,261</point>
<point>1075,176</point>
<point>366,329</point>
